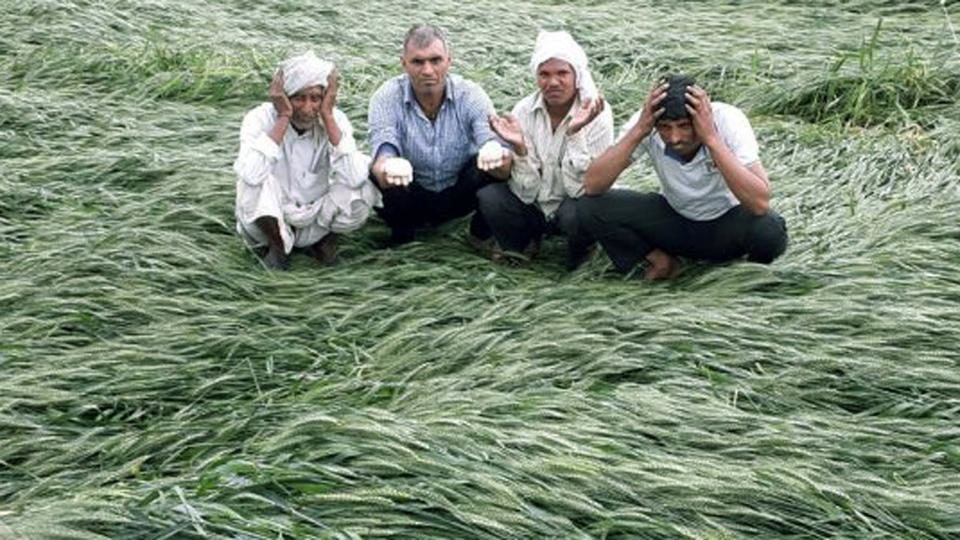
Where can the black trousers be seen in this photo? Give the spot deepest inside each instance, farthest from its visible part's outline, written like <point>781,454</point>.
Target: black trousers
<point>406,208</point>
<point>629,225</point>
<point>515,224</point>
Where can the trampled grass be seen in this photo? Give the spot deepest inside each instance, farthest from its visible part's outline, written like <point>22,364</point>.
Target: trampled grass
<point>157,383</point>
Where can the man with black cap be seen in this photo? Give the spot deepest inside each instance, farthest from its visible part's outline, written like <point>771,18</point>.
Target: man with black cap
<point>715,195</point>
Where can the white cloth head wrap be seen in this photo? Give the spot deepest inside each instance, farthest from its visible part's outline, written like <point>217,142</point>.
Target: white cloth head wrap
<point>303,71</point>
<point>560,45</point>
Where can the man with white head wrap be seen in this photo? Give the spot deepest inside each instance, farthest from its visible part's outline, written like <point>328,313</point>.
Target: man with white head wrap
<point>555,132</point>
<point>300,178</point>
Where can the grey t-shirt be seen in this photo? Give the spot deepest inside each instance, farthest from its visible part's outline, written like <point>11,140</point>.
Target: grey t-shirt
<point>697,190</point>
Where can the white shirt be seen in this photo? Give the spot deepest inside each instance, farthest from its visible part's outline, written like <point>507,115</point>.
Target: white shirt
<point>696,189</point>
<point>304,165</point>
<point>554,165</point>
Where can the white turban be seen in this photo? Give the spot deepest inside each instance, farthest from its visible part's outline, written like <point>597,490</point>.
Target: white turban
<point>560,45</point>
<point>303,71</point>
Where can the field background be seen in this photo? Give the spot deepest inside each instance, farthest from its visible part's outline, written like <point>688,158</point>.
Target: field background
<point>155,382</point>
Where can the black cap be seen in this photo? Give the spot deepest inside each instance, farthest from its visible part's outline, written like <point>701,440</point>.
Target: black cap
<point>674,105</point>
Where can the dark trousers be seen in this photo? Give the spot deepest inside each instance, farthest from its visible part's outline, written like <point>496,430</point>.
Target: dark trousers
<point>629,225</point>
<point>515,224</point>
<point>406,208</point>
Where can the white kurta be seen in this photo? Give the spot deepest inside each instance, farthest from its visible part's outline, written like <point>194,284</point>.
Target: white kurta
<point>308,185</point>
<point>555,163</point>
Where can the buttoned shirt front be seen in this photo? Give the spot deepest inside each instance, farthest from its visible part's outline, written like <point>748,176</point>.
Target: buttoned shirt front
<point>437,149</point>
<point>555,162</point>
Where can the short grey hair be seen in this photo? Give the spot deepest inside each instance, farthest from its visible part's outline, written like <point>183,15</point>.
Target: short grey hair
<point>422,35</point>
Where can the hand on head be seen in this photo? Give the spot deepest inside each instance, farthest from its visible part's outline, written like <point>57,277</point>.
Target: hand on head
<point>701,111</point>
<point>652,109</point>
<point>330,93</point>
<point>281,103</point>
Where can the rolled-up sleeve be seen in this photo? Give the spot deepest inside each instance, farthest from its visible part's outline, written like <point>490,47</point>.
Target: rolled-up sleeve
<point>348,164</point>
<point>382,117</point>
<point>582,148</point>
<point>258,152</point>
<point>737,134</point>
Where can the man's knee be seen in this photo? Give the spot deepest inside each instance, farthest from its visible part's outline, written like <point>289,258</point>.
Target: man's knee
<point>567,216</point>
<point>767,239</point>
<point>353,206</point>
<point>590,210</point>
<point>398,205</point>
<point>492,199</point>
<point>351,220</point>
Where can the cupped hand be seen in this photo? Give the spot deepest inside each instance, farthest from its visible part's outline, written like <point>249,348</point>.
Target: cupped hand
<point>279,98</point>
<point>585,113</point>
<point>491,156</point>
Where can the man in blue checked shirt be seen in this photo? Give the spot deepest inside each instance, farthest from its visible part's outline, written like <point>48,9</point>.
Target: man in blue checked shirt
<point>432,143</point>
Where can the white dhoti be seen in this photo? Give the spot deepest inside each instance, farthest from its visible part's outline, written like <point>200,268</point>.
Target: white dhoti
<point>341,209</point>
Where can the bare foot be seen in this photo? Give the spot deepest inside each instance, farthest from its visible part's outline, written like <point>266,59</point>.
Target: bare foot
<point>325,250</point>
<point>276,259</point>
<point>662,266</point>
<point>483,246</point>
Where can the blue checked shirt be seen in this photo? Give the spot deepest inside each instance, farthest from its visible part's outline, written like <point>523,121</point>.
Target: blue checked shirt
<point>437,150</point>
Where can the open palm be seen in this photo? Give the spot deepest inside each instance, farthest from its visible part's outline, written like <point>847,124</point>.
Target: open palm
<point>588,110</point>
<point>508,128</point>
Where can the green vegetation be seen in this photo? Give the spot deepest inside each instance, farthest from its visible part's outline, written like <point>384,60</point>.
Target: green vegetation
<point>157,383</point>
<point>907,88</point>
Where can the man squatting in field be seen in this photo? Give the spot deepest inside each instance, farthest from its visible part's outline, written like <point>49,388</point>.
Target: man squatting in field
<point>300,178</point>
<point>715,201</point>
<point>555,133</point>
<point>426,127</point>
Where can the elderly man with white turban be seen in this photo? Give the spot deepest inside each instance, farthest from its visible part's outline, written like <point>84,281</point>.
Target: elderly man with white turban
<point>300,178</point>
<point>555,132</point>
